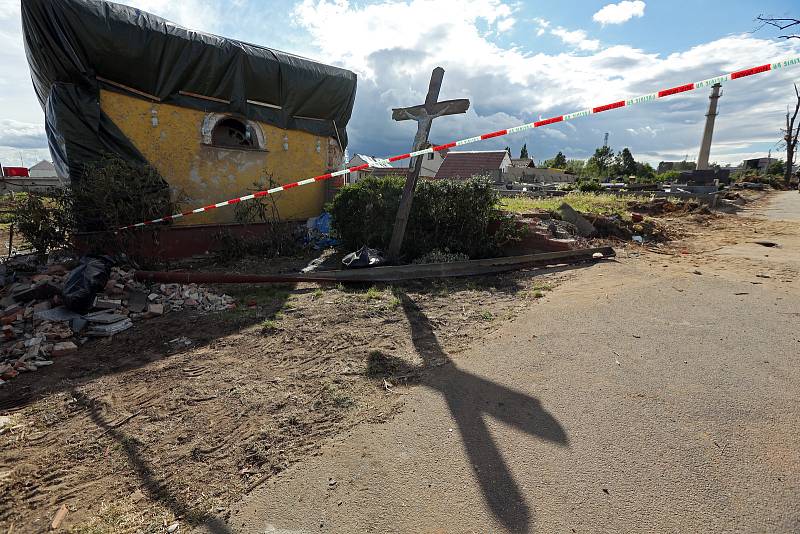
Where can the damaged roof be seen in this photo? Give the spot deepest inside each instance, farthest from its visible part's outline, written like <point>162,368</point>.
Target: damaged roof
<point>373,161</point>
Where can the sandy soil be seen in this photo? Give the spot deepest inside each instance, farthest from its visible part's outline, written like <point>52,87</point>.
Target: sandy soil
<point>180,416</point>
<point>656,393</point>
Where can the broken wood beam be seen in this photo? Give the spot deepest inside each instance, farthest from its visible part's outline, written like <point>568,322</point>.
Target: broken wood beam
<point>389,273</point>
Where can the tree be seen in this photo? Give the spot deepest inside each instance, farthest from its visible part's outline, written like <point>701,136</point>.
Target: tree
<point>644,171</point>
<point>627,165</point>
<point>574,166</point>
<point>560,161</point>
<point>790,135</point>
<point>523,154</point>
<point>600,164</point>
<point>776,167</point>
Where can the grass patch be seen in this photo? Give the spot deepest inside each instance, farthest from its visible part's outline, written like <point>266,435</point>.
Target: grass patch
<point>335,396</point>
<point>260,295</point>
<point>373,293</point>
<point>487,316</point>
<point>600,203</point>
<point>538,290</point>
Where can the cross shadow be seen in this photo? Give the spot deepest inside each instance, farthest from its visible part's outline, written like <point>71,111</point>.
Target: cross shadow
<point>470,398</point>
<point>156,489</point>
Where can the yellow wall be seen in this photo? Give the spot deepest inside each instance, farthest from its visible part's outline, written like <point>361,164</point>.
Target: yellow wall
<point>199,174</point>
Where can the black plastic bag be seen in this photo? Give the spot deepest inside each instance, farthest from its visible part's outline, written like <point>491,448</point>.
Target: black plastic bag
<point>363,257</point>
<point>85,281</point>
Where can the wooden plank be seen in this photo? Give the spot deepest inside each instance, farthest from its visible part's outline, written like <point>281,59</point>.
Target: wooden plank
<point>263,104</point>
<point>204,97</point>
<point>390,273</point>
<point>128,88</point>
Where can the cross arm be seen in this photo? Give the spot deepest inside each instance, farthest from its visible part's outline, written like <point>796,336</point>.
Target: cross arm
<point>446,107</point>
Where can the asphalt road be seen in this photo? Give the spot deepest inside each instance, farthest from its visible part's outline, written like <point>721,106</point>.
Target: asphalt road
<point>637,397</point>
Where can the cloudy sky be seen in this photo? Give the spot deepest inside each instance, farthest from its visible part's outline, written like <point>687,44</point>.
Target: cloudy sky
<point>515,61</point>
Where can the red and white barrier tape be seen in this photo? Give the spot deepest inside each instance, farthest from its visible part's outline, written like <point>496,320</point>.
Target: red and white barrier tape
<point>569,116</point>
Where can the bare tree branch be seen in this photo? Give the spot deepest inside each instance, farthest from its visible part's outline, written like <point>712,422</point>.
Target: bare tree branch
<point>791,134</point>
<point>779,23</point>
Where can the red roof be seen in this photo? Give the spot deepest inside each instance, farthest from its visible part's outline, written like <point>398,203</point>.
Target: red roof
<point>469,164</point>
<point>15,171</point>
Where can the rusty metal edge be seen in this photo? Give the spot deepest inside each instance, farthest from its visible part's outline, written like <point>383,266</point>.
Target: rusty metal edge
<point>386,274</point>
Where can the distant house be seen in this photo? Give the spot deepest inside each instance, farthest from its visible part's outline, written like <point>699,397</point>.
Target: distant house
<point>39,178</point>
<point>758,164</point>
<point>376,168</point>
<point>522,163</point>
<point>464,165</point>
<point>43,169</point>
<point>431,163</point>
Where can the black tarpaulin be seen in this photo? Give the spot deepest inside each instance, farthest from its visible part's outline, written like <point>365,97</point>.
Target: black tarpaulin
<point>76,46</point>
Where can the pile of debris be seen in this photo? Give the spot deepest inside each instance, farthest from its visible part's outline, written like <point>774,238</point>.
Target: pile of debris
<point>40,322</point>
<point>567,228</point>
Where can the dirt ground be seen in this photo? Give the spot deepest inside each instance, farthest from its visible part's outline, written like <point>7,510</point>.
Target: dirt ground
<point>181,415</point>
<point>174,420</point>
<point>653,393</point>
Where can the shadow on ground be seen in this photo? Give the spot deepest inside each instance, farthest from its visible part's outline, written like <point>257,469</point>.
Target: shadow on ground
<point>147,342</point>
<point>470,399</point>
<point>157,490</point>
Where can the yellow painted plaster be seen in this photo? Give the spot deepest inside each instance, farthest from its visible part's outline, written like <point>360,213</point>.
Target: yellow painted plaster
<point>199,174</point>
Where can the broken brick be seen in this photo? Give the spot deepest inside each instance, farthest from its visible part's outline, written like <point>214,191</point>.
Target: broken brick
<point>64,348</point>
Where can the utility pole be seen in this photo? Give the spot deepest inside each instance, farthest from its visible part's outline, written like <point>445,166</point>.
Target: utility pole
<point>708,132</point>
<point>769,161</point>
<point>605,140</point>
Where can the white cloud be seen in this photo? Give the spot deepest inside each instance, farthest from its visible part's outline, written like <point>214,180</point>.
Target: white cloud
<point>393,49</point>
<point>575,38</point>
<point>21,134</point>
<point>505,24</point>
<point>393,52</point>
<point>8,8</point>
<point>644,130</point>
<point>619,13</point>
<point>541,26</point>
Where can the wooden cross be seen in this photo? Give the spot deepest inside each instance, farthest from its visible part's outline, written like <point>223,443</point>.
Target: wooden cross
<point>424,115</point>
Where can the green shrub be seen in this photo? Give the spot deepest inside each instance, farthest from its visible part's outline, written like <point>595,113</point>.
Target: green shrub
<point>459,216</point>
<point>113,192</point>
<point>43,219</point>
<point>589,186</point>
<point>668,176</point>
<point>110,193</point>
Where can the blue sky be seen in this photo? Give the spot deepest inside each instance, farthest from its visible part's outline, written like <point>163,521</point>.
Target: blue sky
<point>516,61</point>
